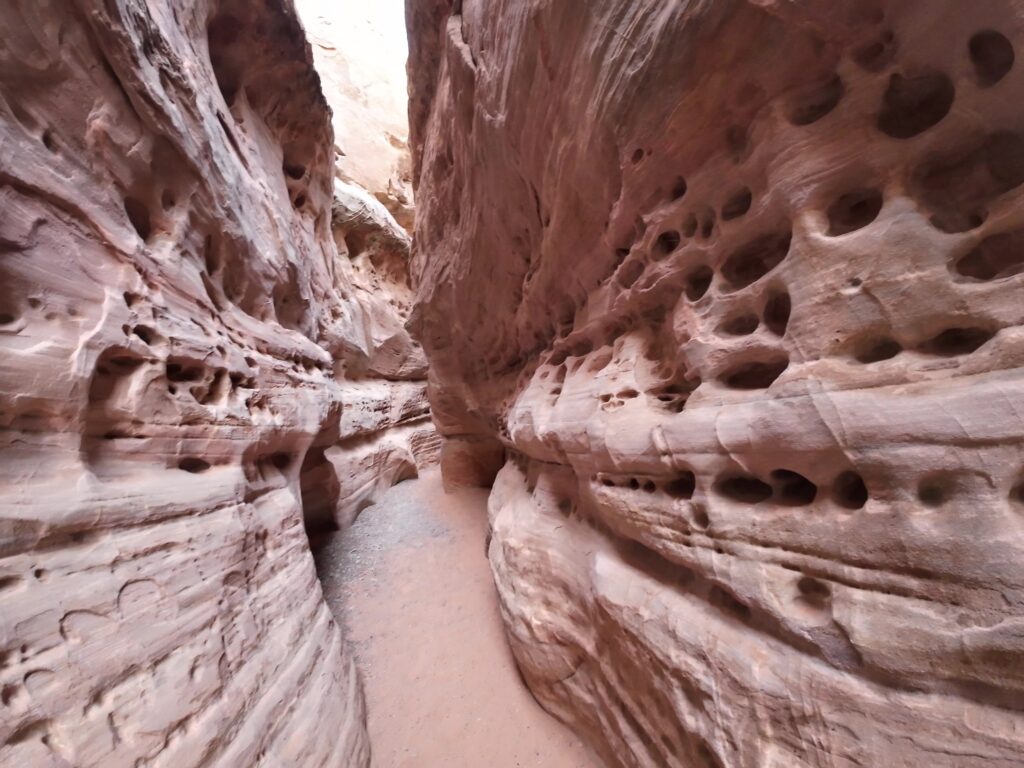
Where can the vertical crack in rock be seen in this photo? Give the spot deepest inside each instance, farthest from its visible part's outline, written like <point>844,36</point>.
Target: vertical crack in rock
<point>726,295</point>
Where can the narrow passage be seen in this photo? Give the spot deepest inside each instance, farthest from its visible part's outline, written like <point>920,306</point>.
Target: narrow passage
<point>410,583</point>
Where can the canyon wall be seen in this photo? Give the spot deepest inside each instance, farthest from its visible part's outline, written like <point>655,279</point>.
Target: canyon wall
<point>190,371</point>
<point>735,286</point>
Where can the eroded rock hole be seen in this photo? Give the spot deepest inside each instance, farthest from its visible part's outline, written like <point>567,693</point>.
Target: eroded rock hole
<point>877,350</point>
<point>701,520</point>
<point>741,325</point>
<point>853,211</point>
<point>737,204</point>
<point>294,171</point>
<point>756,259</point>
<point>179,370</point>
<point>755,375</point>
<point>666,243</point>
<point>698,282</point>
<point>992,55</point>
<point>1017,493</point>
<point>849,490</point>
<point>816,594</point>
<point>914,104</point>
<point>933,492</point>
<point>707,226</point>
<point>138,215</point>
<point>193,465</point>
<point>682,487</point>
<point>959,188</point>
<point>147,334</point>
<point>813,104</point>
<point>956,341</point>
<point>995,258</point>
<point>776,313</point>
<point>223,36</point>
<point>792,488</point>
<point>744,489</point>
<point>678,191</point>
<point>738,141</point>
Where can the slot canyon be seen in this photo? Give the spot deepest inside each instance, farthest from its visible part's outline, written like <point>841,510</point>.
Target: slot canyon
<point>563,383</point>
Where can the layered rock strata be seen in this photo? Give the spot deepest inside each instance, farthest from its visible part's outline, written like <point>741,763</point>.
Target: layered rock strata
<point>188,369</point>
<point>735,285</point>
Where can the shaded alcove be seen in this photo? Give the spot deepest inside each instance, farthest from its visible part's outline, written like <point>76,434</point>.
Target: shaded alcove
<point>319,486</point>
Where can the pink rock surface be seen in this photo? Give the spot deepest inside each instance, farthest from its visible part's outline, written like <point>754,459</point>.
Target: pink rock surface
<point>187,366</point>
<point>359,50</point>
<point>737,285</point>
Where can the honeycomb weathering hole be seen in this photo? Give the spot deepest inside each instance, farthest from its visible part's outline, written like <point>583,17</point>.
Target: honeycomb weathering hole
<point>934,492</point>
<point>756,259</point>
<point>956,341</point>
<point>678,191</point>
<point>815,593</point>
<point>992,55</point>
<point>958,188</point>
<point>1017,493</point>
<point>996,257</point>
<point>138,215</point>
<point>792,488</point>
<point>755,375</point>
<point>776,313</point>
<point>737,205</point>
<point>682,487</point>
<point>741,325</point>
<point>912,105</point>
<point>849,490</point>
<point>876,350</point>
<point>666,243</point>
<point>223,35</point>
<point>193,465</point>
<point>744,489</point>
<point>698,282</point>
<point>813,104</point>
<point>853,211</point>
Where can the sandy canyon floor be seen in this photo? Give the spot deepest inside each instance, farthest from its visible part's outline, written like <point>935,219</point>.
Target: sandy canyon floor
<point>411,584</point>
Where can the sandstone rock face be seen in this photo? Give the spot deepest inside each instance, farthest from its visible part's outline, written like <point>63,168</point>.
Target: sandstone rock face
<point>359,52</point>
<point>737,286</point>
<point>188,368</point>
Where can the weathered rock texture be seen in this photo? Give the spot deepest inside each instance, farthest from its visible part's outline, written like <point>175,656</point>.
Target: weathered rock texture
<point>187,369</point>
<point>737,285</point>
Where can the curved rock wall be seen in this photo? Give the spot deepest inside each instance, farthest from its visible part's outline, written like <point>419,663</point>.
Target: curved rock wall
<point>187,370</point>
<point>736,286</point>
